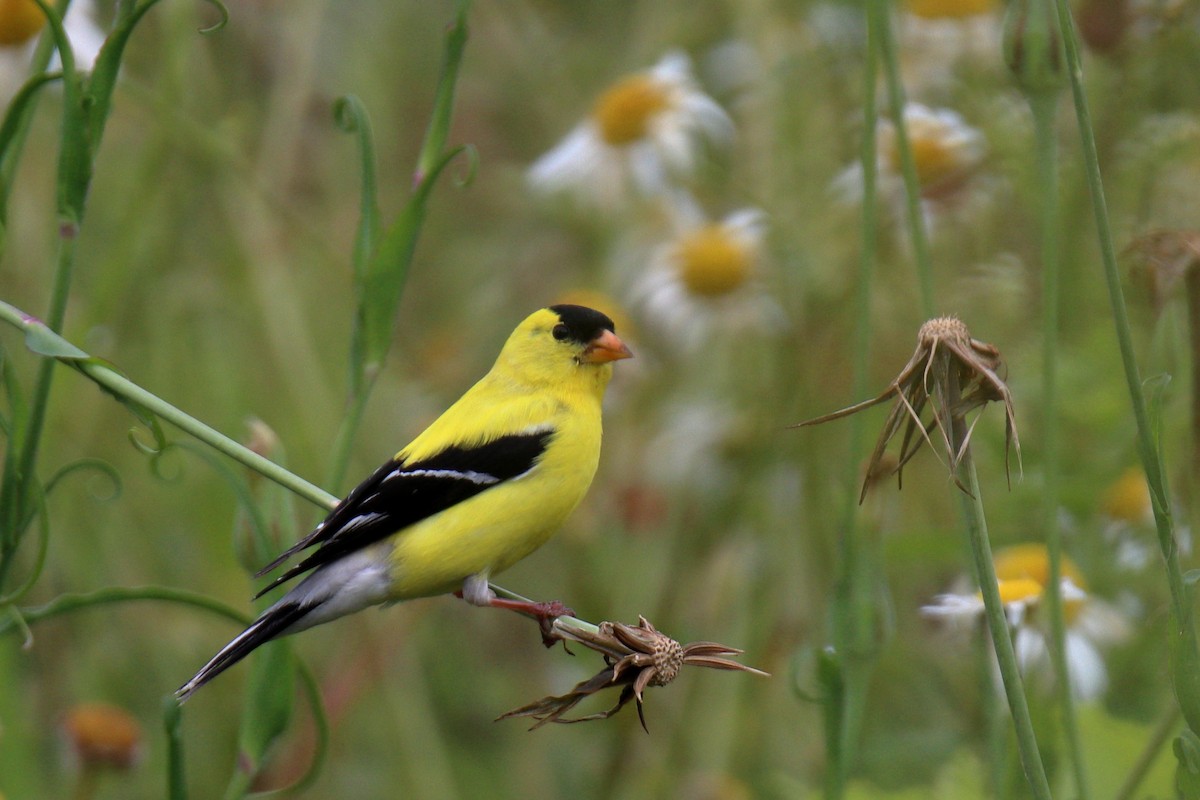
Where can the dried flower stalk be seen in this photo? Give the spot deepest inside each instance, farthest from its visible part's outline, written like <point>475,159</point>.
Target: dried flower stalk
<point>636,657</point>
<point>953,374</point>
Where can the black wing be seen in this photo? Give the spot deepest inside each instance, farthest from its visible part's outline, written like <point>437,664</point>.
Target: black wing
<point>398,495</point>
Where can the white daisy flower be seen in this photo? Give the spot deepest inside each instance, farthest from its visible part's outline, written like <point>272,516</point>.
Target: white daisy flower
<point>706,277</point>
<point>1022,573</point>
<point>643,131</point>
<point>947,152</point>
<point>20,24</point>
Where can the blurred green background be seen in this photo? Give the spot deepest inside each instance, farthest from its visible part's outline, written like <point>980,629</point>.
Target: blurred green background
<point>214,269</point>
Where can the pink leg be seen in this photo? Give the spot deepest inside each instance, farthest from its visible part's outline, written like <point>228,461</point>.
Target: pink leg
<point>544,613</point>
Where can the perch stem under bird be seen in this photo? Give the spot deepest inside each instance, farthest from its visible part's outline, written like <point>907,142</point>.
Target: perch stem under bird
<point>485,485</point>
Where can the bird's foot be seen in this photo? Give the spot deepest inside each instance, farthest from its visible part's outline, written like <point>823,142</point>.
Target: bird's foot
<point>544,613</point>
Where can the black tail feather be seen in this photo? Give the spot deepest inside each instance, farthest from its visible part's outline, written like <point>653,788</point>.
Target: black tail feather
<point>271,624</point>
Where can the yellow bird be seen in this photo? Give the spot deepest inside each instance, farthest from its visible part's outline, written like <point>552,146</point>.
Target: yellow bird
<point>484,486</point>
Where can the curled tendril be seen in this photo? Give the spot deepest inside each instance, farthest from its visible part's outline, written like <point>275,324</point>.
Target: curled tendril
<point>472,159</point>
<point>219,24</point>
<point>95,465</point>
<point>152,450</point>
<point>470,169</point>
<point>158,462</point>
<point>349,114</point>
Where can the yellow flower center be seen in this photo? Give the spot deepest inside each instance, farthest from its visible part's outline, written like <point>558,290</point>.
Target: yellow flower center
<point>1031,561</point>
<point>19,21</point>
<point>935,155</point>
<point>624,111</point>
<point>1128,497</point>
<point>712,262</point>
<point>949,9</point>
<point>1024,566</point>
<point>1019,590</point>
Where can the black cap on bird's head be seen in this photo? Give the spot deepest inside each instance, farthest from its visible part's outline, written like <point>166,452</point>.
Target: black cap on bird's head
<point>591,329</point>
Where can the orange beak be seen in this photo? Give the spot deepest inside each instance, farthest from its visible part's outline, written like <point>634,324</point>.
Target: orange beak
<point>604,348</point>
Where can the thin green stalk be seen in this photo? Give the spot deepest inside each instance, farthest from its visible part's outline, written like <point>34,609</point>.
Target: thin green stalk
<point>854,619</point>
<point>985,574</point>
<point>881,21</point>
<point>1166,727</point>
<point>438,131</point>
<point>172,717</point>
<point>997,623</point>
<point>1184,650</point>
<point>1044,106</point>
<point>30,438</point>
<point>66,603</point>
<point>37,66</point>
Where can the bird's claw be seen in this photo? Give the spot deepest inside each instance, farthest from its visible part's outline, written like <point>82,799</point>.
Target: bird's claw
<point>546,613</point>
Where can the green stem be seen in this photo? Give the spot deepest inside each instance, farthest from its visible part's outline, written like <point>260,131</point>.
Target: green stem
<point>989,587</point>
<point>1161,734</point>
<point>853,612</point>
<point>1184,650</point>
<point>172,717</point>
<point>881,21</point>
<point>343,442</point>
<point>37,66</point>
<point>1043,106</point>
<point>12,525</point>
<point>436,134</point>
<point>66,603</point>
<point>997,623</point>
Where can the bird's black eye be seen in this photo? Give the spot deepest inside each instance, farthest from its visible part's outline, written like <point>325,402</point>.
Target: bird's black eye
<point>560,332</point>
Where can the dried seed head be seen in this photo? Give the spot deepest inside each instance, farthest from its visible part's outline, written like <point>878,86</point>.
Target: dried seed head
<point>951,374</point>
<point>668,660</point>
<point>943,329</point>
<point>637,656</point>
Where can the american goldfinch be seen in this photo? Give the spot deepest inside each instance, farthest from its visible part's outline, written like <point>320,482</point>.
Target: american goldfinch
<point>484,486</point>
